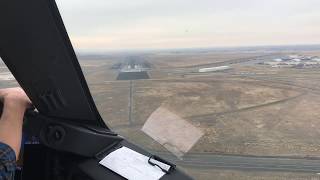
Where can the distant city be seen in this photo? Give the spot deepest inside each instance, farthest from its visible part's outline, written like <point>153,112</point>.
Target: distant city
<point>295,60</point>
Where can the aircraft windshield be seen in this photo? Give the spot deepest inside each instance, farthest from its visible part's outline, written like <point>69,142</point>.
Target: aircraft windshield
<point>224,89</point>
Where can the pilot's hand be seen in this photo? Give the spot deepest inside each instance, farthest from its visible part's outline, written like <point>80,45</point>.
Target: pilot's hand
<point>15,102</point>
<point>15,96</point>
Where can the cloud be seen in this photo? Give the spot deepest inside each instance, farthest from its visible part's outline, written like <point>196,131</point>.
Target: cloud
<point>117,24</point>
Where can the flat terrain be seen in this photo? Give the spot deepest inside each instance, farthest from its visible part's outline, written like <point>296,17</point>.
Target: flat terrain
<point>251,110</point>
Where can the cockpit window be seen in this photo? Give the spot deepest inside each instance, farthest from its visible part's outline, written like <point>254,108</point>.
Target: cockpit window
<point>224,89</point>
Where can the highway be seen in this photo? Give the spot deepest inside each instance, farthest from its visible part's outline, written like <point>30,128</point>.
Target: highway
<point>284,164</point>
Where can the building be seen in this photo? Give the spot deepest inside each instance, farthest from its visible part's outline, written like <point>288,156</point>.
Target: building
<point>214,69</point>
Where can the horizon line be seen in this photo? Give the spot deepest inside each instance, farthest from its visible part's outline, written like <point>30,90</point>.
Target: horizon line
<point>92,50</point>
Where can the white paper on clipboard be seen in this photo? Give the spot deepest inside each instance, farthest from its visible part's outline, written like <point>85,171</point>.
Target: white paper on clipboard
<point>131,165</point>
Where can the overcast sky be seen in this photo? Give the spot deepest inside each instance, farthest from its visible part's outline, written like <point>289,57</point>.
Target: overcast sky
<point>135,24</point>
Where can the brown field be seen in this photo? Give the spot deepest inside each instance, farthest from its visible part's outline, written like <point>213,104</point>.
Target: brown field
<point>273,112</point>
<point>249,110</point>
<point>181,60</point>
<point>270,112</point>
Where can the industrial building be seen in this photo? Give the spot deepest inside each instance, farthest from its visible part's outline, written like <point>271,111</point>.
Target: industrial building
<point>214,69</point>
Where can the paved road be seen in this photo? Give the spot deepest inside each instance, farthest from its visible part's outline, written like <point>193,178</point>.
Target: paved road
<point>284,164</point>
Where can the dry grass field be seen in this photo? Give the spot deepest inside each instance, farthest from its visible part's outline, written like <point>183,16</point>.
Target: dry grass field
<point>272,112</point>
<point>250,110</point>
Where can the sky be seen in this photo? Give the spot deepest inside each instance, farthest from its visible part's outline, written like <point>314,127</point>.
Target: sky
<point>163,24</point>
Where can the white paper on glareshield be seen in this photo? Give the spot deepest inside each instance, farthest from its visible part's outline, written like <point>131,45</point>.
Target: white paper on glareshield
<point>131,165</point>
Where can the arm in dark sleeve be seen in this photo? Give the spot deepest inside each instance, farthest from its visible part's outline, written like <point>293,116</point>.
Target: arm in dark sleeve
<point>7,162</point>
